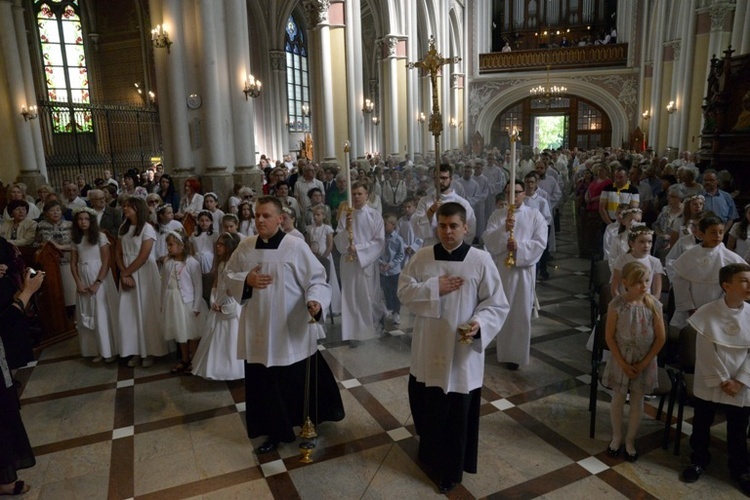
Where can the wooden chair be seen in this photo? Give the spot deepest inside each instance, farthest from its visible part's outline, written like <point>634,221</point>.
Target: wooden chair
<point>684,393</point>
<point>56,325</point>
<point>598,282</point>
<point>664,388</point>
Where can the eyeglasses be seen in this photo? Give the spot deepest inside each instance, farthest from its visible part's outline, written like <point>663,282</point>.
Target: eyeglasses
<point>153,202</point>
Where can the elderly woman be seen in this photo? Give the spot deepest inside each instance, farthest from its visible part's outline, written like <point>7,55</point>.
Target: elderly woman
<point>130,185</point>
<point>20,229</point>
<point>43,192</point>
<point>56,230</point>
<point>16,192</point>
<point>15,448</point>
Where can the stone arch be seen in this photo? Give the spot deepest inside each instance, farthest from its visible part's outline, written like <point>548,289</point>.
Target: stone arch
<point>618,117</point>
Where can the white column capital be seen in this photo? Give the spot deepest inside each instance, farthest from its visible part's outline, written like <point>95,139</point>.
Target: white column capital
<point>317,11</point>
<point>718,13</point>
<point>390,43</point>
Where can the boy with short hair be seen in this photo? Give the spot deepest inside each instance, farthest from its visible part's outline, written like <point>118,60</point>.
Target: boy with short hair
<point>391,262</point>
<point>722,374</point>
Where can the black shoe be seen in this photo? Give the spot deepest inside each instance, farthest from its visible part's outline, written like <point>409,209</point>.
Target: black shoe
<point>614,453</point>
<point>631,457</point>
<point>744,483</point>
<point>511,366</point>
<point>268,446</point>
<point>692,473</point>
<point>445,486</point>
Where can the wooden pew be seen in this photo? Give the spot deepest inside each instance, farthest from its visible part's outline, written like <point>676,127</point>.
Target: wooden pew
<point>55,323</point>
<point>189,223</point>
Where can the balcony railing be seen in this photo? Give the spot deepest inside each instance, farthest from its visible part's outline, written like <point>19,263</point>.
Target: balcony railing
<point>590,56</point>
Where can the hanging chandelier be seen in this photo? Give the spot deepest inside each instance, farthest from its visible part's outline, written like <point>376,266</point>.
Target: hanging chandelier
<point>548,94</point>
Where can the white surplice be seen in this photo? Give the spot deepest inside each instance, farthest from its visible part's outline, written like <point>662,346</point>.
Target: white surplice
<point>519,281</point>
<point>427,229</point>
<point>361,297</point>
<point>273,325</point>
<point>437,359</point>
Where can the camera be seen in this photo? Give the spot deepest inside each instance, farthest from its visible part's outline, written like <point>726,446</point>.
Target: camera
<point>33,272</point>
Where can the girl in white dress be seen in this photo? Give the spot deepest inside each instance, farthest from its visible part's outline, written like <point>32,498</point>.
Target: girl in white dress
<point>165,216</point>
<point>634,335</point>
<point>181,299</point>
<point>203,241</point>
<point>320,238</point>
<point>216,356</point>
<point>247,218</point>
<point>138,335</point>
<point>288,221</point>
<point>630,217</point>
<point>96,314</point>
<point>211,203</point>
<point>230,223</point>
<point>640,240</point>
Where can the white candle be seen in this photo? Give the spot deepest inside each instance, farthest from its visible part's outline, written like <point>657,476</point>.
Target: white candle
<point>348,176</point>
<point>512,187</point>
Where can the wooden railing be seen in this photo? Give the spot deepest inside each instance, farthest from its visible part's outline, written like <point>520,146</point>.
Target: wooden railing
<point>590,56</point>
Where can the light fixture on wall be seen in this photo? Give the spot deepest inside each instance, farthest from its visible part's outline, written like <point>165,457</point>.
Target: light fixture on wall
<point>368,107</point>
<point>305,110</point>
<point>160,38</point>
<point>548,94</point>
<point>671,107</point>
<point>375,121</point>
<point>421,118</point>
<point>646,114</point>
<point>151,95</point>
<point>252,87</point>
<point>453,123</point>
<point>29,113</point>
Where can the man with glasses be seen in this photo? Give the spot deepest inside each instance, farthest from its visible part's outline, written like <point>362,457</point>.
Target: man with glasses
<point>528,243</point>
<point>108,218</point>
<point>424,221</point>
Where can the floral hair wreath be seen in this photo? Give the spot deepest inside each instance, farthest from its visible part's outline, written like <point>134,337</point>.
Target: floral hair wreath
<point>694,197</point>
<point>177,235</point>
<point>212,195</point>
<point>88,210</point>
<point>288,211</point>
<point>631,210</point>
<point>163,207</point>
<point>639,230</point>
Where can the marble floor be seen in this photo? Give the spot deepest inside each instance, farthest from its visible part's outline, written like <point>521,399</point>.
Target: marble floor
<point>109,431</point>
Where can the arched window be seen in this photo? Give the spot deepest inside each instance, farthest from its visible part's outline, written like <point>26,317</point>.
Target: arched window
<point>64,58</point>
<point>297,77</point>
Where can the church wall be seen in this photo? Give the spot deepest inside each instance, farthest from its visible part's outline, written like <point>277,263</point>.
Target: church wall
<point>664,92</point>
<point>462,140</point>
<point>9,120</point>
<point>339,80</point>
<point>403,115</point>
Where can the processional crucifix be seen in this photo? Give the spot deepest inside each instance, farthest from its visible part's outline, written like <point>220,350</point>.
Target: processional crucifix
<point>432,63</point>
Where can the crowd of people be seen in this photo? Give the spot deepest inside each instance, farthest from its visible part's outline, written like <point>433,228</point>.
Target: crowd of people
<point>244,291</point>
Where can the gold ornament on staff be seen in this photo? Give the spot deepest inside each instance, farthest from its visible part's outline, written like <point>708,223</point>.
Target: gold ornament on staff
<point>307,432</point>
<point>510,260</point>
<point>432,64</point>
<point>349,204</point>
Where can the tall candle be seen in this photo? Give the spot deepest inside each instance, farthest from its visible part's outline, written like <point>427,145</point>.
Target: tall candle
<point>512,187</point>
<point>348,167</point>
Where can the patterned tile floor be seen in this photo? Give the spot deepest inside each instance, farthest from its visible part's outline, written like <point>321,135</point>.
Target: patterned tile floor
<point>109,431</point>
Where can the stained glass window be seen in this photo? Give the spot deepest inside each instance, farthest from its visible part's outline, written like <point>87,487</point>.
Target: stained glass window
<point>297,83</point>
<point>65,74</point>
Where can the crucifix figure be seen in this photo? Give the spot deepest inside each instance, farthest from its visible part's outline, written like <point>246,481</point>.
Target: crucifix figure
<point>432,64</point>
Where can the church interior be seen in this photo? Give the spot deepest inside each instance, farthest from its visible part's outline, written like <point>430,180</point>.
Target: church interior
<point>208,87</point>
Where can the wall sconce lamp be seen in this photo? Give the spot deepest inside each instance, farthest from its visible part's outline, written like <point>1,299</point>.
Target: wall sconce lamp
<point>368,107</point>
<point>453,123</point>
<point>671,107</point>
<point>29,114</point>
<point>646,114</point>
<point>252,87</point>
<point>160,38</point>
<point>305,110</point>
<point>421,118</point>
<point>375,121</point>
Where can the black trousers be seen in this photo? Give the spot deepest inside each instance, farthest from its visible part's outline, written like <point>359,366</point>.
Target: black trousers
<point>737,420</point>
<point>390,289</point>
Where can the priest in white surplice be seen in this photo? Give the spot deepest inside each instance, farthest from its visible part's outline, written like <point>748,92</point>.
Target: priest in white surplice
<point>362,305</point>
<point>424,220</point>
<point>446,285</point>
<point>530,240</point>
<point>281,284</point>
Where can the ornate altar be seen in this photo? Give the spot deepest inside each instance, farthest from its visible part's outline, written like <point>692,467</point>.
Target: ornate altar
<point>725,137</point>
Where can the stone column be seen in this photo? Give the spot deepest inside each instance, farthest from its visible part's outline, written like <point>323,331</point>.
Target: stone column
<point>483,25</point>
<point>391,101</point>
<point>354,84</point>
<point>657,107</point>
<point>674,94</point>
<point>412,131</point>
<point>427,142</point>
<point>31,179</point>
<point>17,93</point>
<point>687,55</point>
<point>215,178</point>
<point>317,11</point>
<point>375,144</point>
<point>177,115</point>
<point>279,103</point>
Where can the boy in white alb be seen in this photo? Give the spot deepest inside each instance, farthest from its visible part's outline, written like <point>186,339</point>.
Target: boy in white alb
<point>722,374</point>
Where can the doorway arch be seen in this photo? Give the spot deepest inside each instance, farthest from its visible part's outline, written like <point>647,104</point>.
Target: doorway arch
<point>596,95</point>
